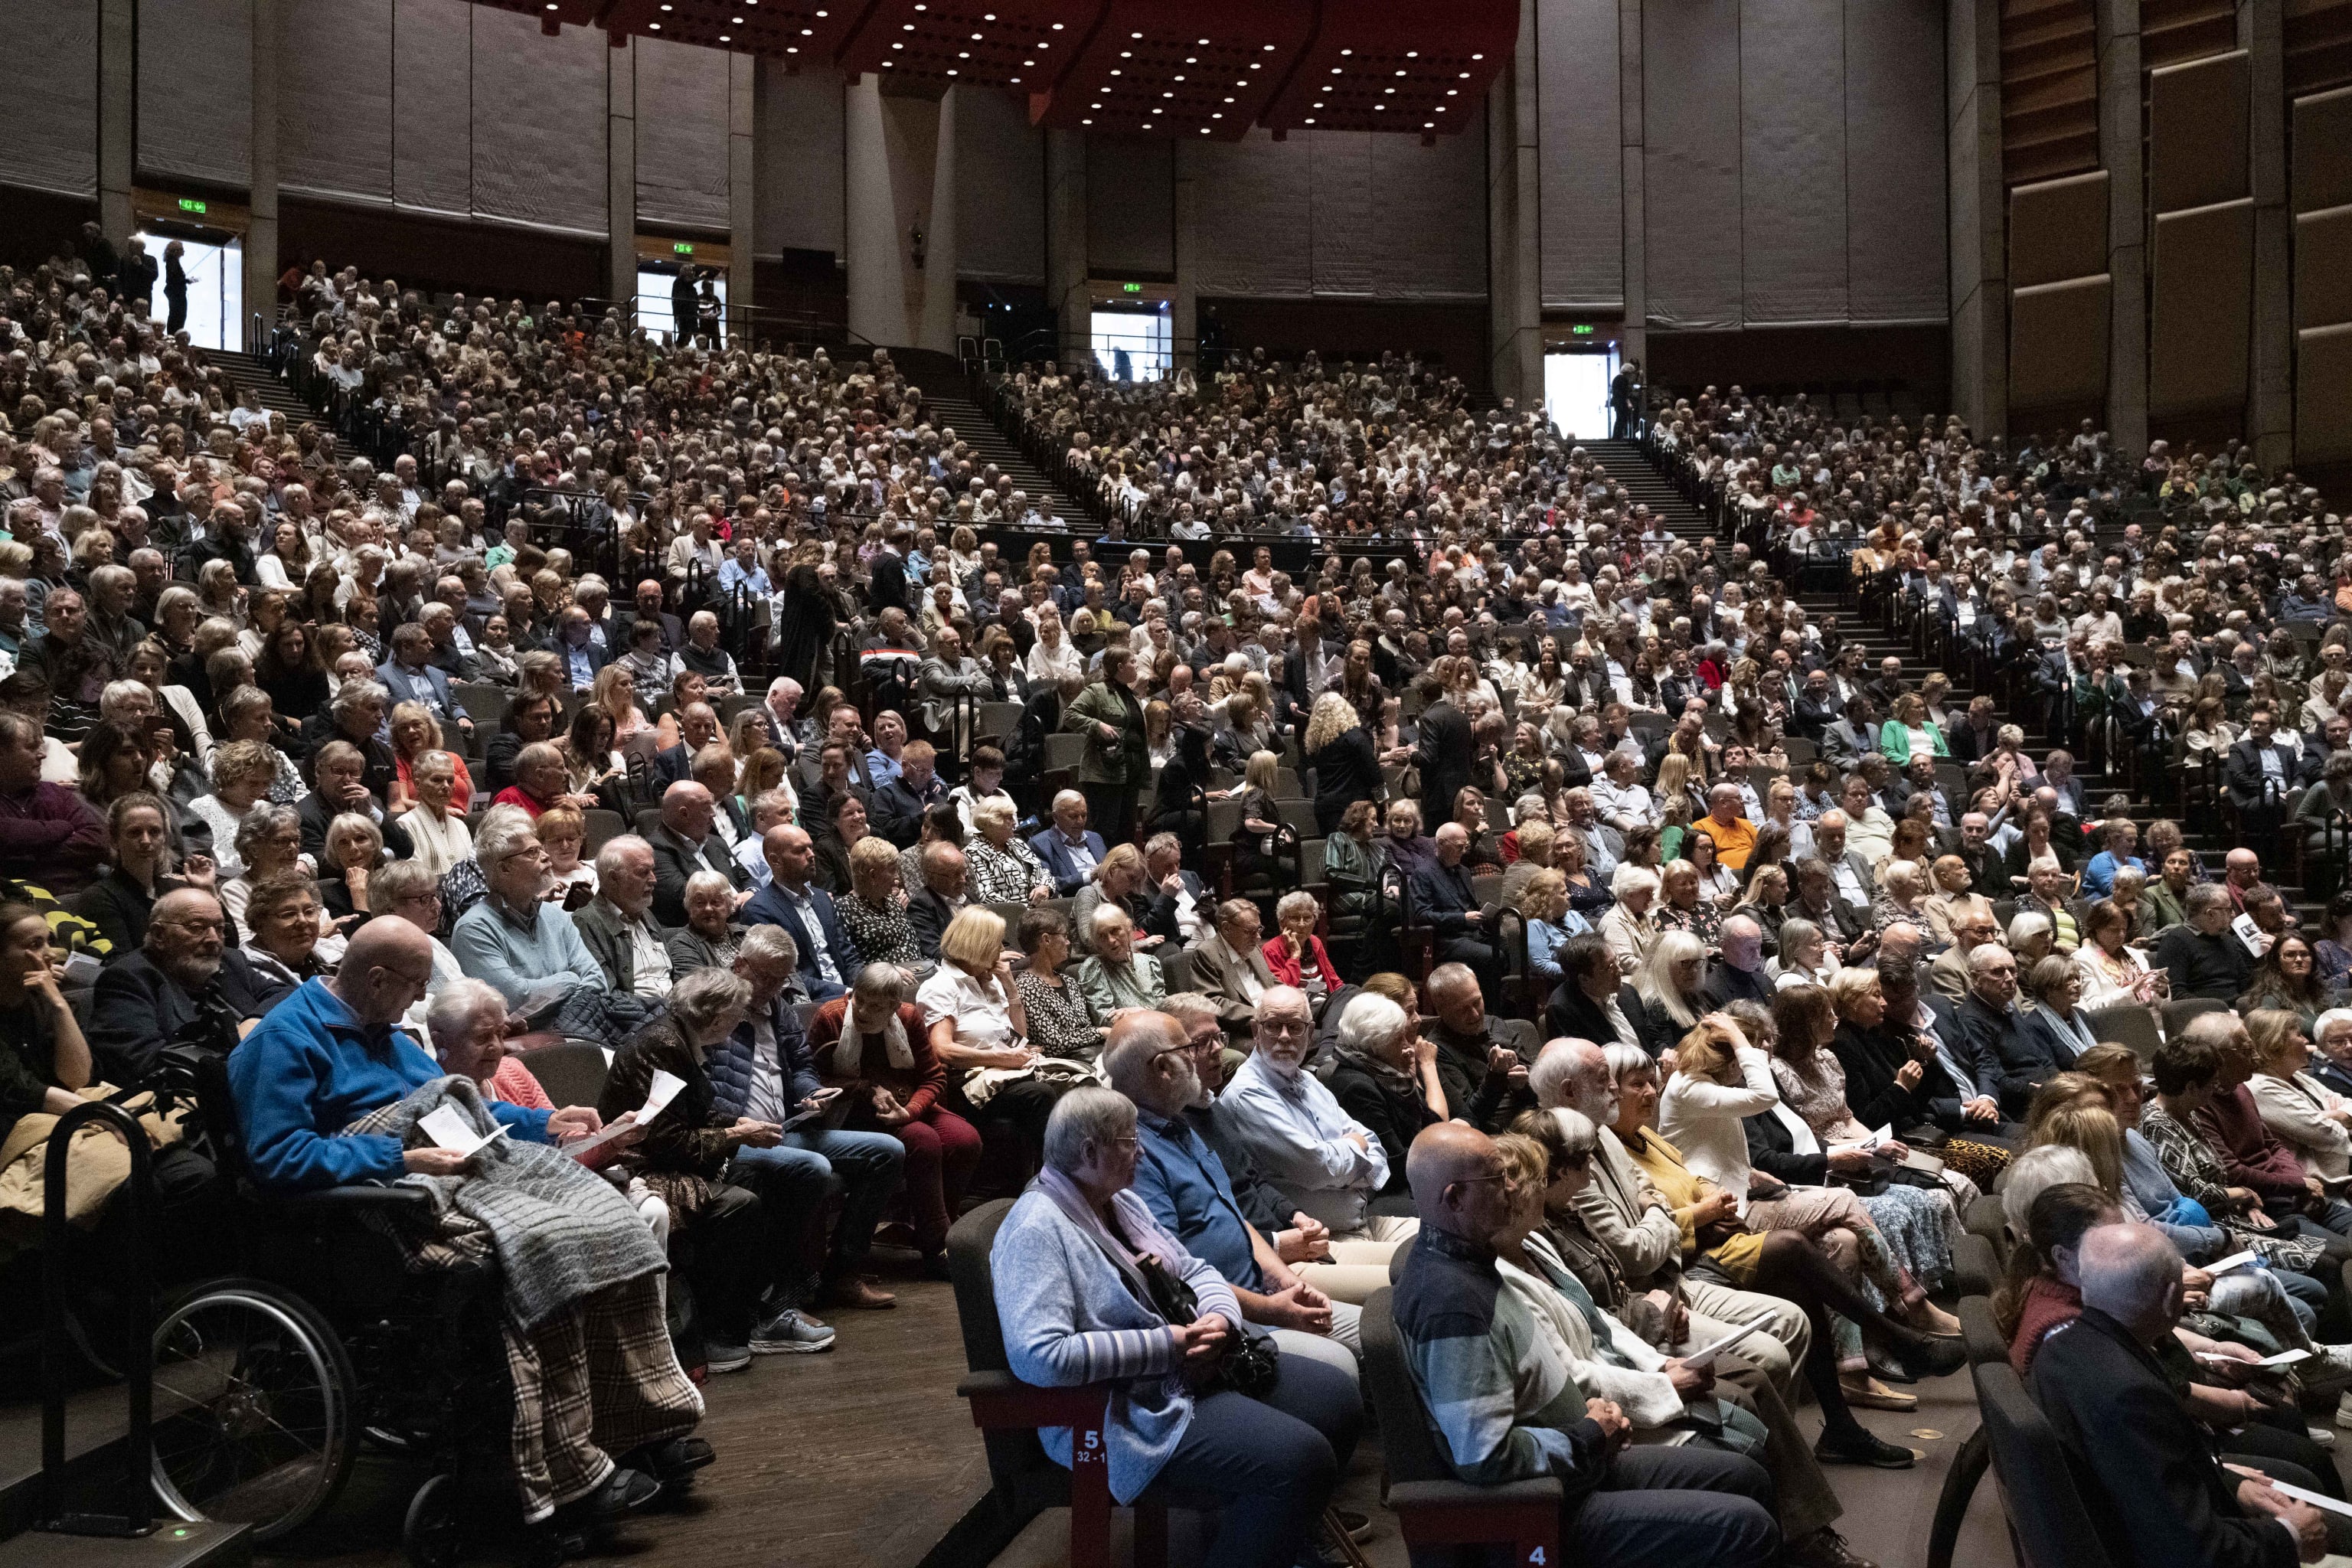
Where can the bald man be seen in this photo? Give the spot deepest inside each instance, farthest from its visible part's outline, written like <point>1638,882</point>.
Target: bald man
<point>185,971</point>
<point>1466,1340</point>
<point>2154,1490</point>
<point>829,956</point>
<point>687,841</point>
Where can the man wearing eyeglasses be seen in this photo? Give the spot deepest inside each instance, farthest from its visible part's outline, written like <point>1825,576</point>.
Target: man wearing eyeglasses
<point>184,983</point>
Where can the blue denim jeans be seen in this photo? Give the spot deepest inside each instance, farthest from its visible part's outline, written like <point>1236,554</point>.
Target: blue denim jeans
<point>794,1181</point>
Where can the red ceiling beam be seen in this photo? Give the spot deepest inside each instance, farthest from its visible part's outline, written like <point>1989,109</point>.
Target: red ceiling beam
<point>1396,65</point>
<point>1207,69</point>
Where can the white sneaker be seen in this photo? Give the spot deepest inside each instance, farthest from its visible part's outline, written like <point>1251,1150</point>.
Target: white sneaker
<point>2343,1411</point>
<point>790,1334</point>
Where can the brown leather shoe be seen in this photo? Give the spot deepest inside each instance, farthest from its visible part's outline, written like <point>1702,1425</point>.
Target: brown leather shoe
<point>853,1290</point>
<point>1824,1548</point>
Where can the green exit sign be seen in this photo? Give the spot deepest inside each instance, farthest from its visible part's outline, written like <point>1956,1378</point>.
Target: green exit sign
<point>1132,287</point>
<point>681,249</point>
<point>1579,331</point>
<point>190,204</point>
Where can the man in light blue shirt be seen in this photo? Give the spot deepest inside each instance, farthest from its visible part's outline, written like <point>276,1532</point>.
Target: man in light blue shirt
<point>511,939</point>
<point>1313,1152</point>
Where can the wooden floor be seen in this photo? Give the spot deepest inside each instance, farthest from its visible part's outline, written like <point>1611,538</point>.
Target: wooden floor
<point>861,1458</point>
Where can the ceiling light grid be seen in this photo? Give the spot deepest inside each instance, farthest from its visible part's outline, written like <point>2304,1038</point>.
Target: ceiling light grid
<point>1203,70</point>
<point>794,31</point>
<point>1013,44</point>
<point>1419,65</point>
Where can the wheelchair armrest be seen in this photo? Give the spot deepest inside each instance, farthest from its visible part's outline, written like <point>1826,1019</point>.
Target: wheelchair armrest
<point>1444,1512</point>
<point>351,1199</point>
<point>1001,1399</point>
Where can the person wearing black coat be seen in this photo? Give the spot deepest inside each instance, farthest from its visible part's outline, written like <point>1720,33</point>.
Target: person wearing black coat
<point>1347,770</point>
<point>1385,1111</point>
<point>1578,1008</point>
<point>1448,753</point>
<point>138,1009</point>
<point>2146,1471</point>
<point>1871,1059</point>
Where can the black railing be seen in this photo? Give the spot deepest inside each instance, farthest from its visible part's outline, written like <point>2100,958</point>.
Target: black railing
<point>137,1515</point>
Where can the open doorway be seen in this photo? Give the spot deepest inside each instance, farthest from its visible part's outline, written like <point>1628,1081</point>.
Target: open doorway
<point>1133,346</point>
<point>657,287</point>
<point>1576,391</point>
<point>215,265</point>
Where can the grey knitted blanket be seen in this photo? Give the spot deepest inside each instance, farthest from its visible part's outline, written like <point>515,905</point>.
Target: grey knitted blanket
<point>559,1231</point>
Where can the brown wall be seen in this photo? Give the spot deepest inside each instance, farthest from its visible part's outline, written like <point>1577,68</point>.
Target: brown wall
<point>1789,358</point>
<point>1455,333</point>
<point>36,224</point>
<point>439,255</point>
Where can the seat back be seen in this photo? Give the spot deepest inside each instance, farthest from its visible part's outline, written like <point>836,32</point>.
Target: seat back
<point>572,1071</point>
<point>600,828</point>
<point>2128,1026</point>
<point>1407,1446</point>
<point>2178,1013</point>
<point>1176,970</point>
<point>1980,1333</point>
<point>1017,1464</point>
<point>2047,1520</point>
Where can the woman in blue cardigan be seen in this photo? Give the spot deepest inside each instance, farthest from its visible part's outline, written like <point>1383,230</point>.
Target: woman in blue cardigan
<point>1076,1265</point>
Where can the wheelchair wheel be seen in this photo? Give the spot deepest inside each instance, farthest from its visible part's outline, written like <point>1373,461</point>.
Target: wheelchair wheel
<point>429,1535</point>
<point>253,1407</point>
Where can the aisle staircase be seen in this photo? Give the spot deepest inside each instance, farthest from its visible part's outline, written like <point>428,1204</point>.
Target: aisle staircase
<point>244,371</point>
<point>948,407</point>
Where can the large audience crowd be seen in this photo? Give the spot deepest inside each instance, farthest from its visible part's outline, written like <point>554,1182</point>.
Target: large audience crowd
<point>1655,967</point>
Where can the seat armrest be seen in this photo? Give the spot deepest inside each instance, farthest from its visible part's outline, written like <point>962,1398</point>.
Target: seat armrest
<point>1539,1491</point>
<point>354,1198</point>
<point>1001,1399</point>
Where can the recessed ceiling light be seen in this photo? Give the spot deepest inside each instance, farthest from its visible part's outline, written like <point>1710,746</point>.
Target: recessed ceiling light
<point>1399,73</point>
<point>807,32</point>
<point>1380,106</point>
<point>1464,77</point>
<point>1082,121</point>
<point>1473,57</point>
<point>1229,100</point>
<point>1413,54</point>
<point>654,26</point>
<point>897,46</point>
<point>1335,70</point>
<point>966,54</point>
<point>1166,95</point>
<point>1204,131</point>
<point>1216,116</point>
<point>1057,28</point>
<point>724,38</point>
<point>792,49</point>
<point>1114,70</point>
<point>1127,54</point>
<point>1310,122</point>
<point>1175,78</point>
<point>1429,125</point>
<point>975,38</point>
<point>1135,34</point>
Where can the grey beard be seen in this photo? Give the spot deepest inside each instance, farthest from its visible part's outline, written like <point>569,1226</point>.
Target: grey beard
<point>191,973</point>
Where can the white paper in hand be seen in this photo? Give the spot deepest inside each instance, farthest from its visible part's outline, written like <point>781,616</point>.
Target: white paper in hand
<point>1700,1360</point>
<point>2316,1499</point>
<point>660,1093</point>
<point>447,1129</point>
<point>2235,1260</point>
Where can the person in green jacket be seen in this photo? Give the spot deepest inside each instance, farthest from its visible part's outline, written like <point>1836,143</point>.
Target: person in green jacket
<point>1117,757</point>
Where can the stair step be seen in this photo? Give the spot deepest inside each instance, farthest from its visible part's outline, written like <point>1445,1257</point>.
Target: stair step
<point>172,1544</point>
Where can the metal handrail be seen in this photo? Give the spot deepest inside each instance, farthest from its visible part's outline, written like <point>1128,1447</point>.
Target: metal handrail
<point>138,1517</point>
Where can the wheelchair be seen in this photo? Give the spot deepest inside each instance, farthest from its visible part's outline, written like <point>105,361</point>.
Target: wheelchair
<point>270,1380</point>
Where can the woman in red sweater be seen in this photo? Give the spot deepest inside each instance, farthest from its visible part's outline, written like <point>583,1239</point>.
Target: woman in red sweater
<point>1296,953</point>
<point>873,1046</point>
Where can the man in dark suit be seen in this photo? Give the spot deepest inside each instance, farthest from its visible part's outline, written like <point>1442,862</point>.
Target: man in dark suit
<point>1818,707</point>
<point>685,843</point>
<point>698,726</point>
<point>183,983</point>
<point>1579,1007</point>
<point>2149,1478</point>
<point>1992,1045</point>
<point>338,779</point>
<point>1971,736</point>
<point>1447,751</point>
<point>940,897</point>
<point>410,676</point>
<point>1740,976</point>
<point>829,960</point>
<point>1176,894</point>
<point>1854,735</point>
<point>1442,897</point>
<point>650,608</point>
<point>2259,771</point>
<point>1070,849</point>
<point>901,801</point>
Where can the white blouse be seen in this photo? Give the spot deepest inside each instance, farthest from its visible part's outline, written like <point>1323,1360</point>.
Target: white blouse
<point>982,1013</point>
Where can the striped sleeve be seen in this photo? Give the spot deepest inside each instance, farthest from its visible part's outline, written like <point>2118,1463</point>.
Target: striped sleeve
<point>1473,1400</point>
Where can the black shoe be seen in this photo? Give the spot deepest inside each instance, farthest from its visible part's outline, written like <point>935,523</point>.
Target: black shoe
<point>1932,1356</point>
<point>934,1266</point>
<point>1357,1527</point>
<point>1860,1447</point>
<point>623,1492</point>
<point>670,1461</point>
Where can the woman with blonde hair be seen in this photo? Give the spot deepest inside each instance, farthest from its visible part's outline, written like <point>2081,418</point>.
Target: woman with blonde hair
<point>874,909</point>
<point>1550,922</point>
<point>1672,986</point>
<point>977,1024</point>
<point>1254,840</point>
<point>1338,749</point>
<point>416,732</point>
<point>616,691</point>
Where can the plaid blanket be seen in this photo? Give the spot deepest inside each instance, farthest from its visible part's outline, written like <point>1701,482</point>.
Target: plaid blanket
<point>559,1231</point>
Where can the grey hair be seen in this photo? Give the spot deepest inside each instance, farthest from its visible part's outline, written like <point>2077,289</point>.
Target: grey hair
<point>1624,1059</point>
<point>1629,877</point>
<point>1552,1078</point>
<point>1189,1006</point>
<point>2024,927</point>
<point>453,1009</point>
<point>353,693</point>
<point>498,838</point>
<point>435,760</point>
<point>401,879</point>
<point>769,944</point>
<point>616,849</point>
<point>2203,895</point>
<point>1084,1116</point>
<point>704,996</point>
<point>1577,1133</point>
<point>1372,1024</point>
<point>877,981</point>
<point>2035,1172</point>
<point>701,880</point>
<point>260,822</point>
<point>1290,902</point>
<point>119,694</point>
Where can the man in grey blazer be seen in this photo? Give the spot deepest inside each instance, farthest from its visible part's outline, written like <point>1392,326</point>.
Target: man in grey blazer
<point>618,925</point>
<point>1229,967</point>
<point>940,899</point>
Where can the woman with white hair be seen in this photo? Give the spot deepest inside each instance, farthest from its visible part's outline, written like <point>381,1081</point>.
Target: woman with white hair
<point>1001,869</point>
<point>1385,1073</point>
<point>1671,985</point>
<point>1090,1290</point>
<point>1629,927</point>
<point>2033,937</point>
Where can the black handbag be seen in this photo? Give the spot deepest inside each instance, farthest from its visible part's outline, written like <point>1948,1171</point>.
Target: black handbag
<point>1250,1367</point>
